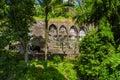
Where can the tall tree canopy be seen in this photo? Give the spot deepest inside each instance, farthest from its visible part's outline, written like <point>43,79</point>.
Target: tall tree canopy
<point>94,10</point>
<point>20,19</point>
<point>48,6</point>
<point>3,11</point>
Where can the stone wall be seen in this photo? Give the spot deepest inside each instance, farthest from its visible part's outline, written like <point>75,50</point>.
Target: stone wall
<point>64,35</point>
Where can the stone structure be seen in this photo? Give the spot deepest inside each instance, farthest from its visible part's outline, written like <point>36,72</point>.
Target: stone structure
<point>63,36</point>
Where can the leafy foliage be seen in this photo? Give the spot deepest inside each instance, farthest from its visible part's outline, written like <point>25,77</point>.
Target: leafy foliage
<point>92,11</point>
<point>67,69</point>
<point>110,67</point>
<point>11,68</point>
<point>3,13</point>
<point>56,9</point>
<point>99,59</point>
<point>103,8</point>
<point>50,73</point>
<point>94,48</point>
<point>57,59</point>
<point>20,18</point>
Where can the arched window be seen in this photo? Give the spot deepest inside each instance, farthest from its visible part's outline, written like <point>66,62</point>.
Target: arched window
<point>52,32</point>
<point>62,31</point>
<point>81,34</point>
<point>73,33</point>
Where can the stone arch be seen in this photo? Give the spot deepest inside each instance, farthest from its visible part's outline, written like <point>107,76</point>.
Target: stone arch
<point>53,32</point>
<point>63,31</point>
<point>73,32</point>
<point>82,33</point>
<point>52,26</point>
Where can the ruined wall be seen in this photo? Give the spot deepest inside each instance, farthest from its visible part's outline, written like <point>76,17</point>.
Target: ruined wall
<point>64,35</point>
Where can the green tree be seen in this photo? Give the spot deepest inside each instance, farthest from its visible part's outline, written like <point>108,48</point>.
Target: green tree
<point>92,11</point>
<point>104,8</point>
<point>48,6</point>
<point>110,68</point>
<point>20,19</point>
<point>2,5</point>
<point>3,24</point>
<point>83,11</point>
<point>94,48</point>
<point>95,10</point>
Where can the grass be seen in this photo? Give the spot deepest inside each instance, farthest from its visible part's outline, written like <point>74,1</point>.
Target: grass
<point>56,18</point>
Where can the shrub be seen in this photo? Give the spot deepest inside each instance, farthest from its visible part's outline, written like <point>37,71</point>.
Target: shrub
<point>57,59</point>
<point>11,68</point>
<point>94,48</point>
<point>67,69</point>
<point>110,68</point>
<point>39,72</point>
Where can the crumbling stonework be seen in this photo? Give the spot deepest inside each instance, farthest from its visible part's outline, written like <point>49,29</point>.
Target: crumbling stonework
<point>64,35</point>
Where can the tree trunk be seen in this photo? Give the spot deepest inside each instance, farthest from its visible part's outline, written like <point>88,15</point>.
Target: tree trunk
<point>25,52</point>
<point>26,55</point>
<point>46,36</point>
<point>26,58</point>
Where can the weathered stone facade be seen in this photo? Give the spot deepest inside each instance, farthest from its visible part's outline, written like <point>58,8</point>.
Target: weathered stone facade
<point>64,35</point>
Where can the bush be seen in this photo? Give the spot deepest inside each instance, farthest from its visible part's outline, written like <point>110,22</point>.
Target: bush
<point>57,59</point>
<point>67,69</point>
<point>94,48</point>
<point>10,67</point>
<point>110,68</point>
<point>63,71</point>
<point>36,72</point>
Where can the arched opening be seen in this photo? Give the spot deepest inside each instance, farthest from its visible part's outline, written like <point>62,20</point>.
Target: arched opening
<point>73,33</point>
<point>82,33</point>
<point>62,37</point>
<point>63,31</point>
<point>52,32</point>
